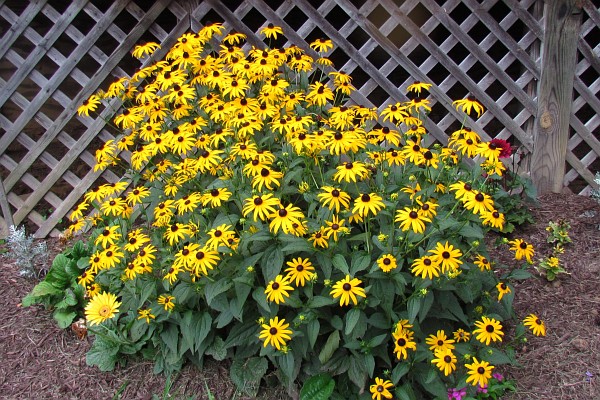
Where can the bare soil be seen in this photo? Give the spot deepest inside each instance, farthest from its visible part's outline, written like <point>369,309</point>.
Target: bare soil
<point>40,361</point>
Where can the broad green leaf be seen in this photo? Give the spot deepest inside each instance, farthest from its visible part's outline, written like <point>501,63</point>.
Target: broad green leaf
<point>339,262</point>
<point>332,344</point>
<point>399,371</point>
<point>320,301</point>
<point>102,354</point>
<point>241,333</point>
<point>519,274</point>
<point>217,349</point>
<point>287,365</point>
<point>312,332</point>
<point>318,387</point>
<point>261,298</point>
<point>271,263</point>
<point>213,289</point>
<point>351,318</point>
<point>247,373</point>
<point>64,318</point>
<point>413,306</point>
<point>471,231</point>
<point>357,372</point>
<point>360,262</point>
<point>44,288</point>
<point>425,305</point>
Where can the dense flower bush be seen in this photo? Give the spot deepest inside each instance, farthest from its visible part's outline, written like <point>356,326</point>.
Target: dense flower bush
<point>264,219</point>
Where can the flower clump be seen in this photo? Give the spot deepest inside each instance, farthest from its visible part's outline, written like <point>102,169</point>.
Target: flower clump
<point>253,190</point>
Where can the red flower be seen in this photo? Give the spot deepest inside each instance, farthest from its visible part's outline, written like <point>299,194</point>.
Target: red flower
<point>502,144</point>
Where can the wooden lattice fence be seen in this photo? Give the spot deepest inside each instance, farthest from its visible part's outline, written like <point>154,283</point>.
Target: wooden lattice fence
<point>54,54</point>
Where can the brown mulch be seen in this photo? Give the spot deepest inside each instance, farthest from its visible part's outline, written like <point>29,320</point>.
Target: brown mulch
<point>40,361</point>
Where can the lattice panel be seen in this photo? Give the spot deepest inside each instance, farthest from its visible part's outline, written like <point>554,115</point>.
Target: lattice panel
<point>54,54</point>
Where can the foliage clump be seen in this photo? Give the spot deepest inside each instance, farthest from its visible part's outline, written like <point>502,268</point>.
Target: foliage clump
<point>31,257</point>
<point>264,218</point>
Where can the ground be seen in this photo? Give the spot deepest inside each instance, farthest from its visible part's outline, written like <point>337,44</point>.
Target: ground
<point>40,361</point>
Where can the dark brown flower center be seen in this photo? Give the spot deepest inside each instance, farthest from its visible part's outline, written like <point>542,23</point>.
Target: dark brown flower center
<point>347,287</point>
<point>282,213</point>
<point>413,215</point>
<point>365,198</point>
<point>273,331</point>
<point>489,328</point>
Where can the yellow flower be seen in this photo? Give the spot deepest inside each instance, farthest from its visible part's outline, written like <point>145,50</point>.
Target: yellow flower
<point>271,31</point>
<point>347,289</point>
<point>146,314</point>
<point>522,249</point>
<point>488,330</point>
<point>536,325</point>
<point>278,289</point>
<point>322,45</point>
<point>417,86</point>
<point>380,389</point>
<point>88,105</point>
<point>468,104</point>
<point>387,262</point>
<point>101,307</point>
<point>479,372</point>
<point>445,360</point>
<point>368,204</point>
<point>439,341</point>
<point>167,301</point>
<point>275,333</point>
<point>502,290</point>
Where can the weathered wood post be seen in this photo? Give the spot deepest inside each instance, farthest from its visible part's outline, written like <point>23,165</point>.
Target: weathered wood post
<point>555,94</point>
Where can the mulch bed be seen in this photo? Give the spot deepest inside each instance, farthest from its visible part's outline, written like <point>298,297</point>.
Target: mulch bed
<point>40,361</point>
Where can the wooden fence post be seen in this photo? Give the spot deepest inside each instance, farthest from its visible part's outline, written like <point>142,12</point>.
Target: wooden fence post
<point>555,94</point>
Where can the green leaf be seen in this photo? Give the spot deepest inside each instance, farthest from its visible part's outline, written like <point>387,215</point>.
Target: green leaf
<point>326,265</point>
<point>352,318</point>
<point>64,318</point>
<point>332,344</point>
<point>213,289</point>
<point>44,288</point>
<point>272,262</point>
<point>170,337</point>
<point>357,372</point>
<point>287,365</point>
<point>471,231</point>
<point>519,274</point>
<point>296,245</point>
<point>425,305</point>
<point>240,334</point>
<point>414,305</point>
<point>360,262</point>
<point>261,299</point>
<point>217,349</point>
<point>399,371</point>
<point>103,354</point>
<point>312,331</point>
<point>318,387</point>
<point>246,374</point>
<point>320,301</point>
<point>339,262</point>
<point>497,357</point>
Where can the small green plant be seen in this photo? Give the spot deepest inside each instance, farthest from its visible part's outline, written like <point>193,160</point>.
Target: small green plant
<point>558,233</point>
<point>60,290</point>
<point>25,252</point>
<point>550,267</point>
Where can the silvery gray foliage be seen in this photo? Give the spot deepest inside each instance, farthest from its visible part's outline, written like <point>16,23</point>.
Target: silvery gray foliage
<point>25,252</point>
<point>595,194</point>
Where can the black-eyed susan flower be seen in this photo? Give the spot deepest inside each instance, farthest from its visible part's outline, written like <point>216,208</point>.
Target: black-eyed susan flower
<point>135,240</point>
<point>503,289</point>
<point>136,195</point>
<point>426,267</point>
<point>387,262</point>
<point>145,313</point>
<point>271,31</point>
<point>319,238</point>
<point>479,202</point>
<point>522,249</point>
<point>321,45</point>
<point>482,262</point>
<point>488,330</point>
<point>275,333</point>
<point>536,325</point>
<point>299,270</point>
<point>319,94</point>
<point>216,196</point>
<point>460,335</point>
<point>413,152</point>
<point>479,372</point>
<point>113,207</point>
<point>447,256</point>
<point>348,289</point>
<point>417,86</point>
<point>335,227</point>
<point>439,341</point>
<point>267,178</point>
<point>219,236</point>
<point>368,205</point>
<point>93,289</point>
<point>172,274</point>
<point>403,341</point>
<point>177,232</point>
<point>334,198</point>
<point>381,389</point>
<point>285,218</point>
<point>101,307</point>
<point>493,218</point>
<point>409,218</point>
<point>468,104</point>
<point>167,301</point>
<point>203,260</point>
<point>445,360</point>
<point>108,236</point>
<point>462,190</point>
<point>395,113</point>
<point>261,206</point>
<point>278,289</point>
<point>111,256</point>
<point>85,278</point>
<point>89,105</point>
